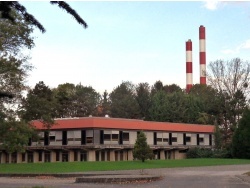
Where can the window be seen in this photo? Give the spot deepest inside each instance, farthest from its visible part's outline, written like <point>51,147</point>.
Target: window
<point>107,137</point>
<point>165,139</point>
<point>52,138</point>
<point>125,136</point>
<point>174,139</point>
<point>201,140</point>
<point>114,137</point>
<point>57,155</point>
<point>47,156</point>
<point>188,139</point>
<point>40,156</point>
<point>159,139</point>
<point>89,140</point>
<point>23,156</point>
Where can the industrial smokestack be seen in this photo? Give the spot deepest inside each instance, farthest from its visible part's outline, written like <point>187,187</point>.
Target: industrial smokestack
<point>202,37</point>
<point>189,66</point>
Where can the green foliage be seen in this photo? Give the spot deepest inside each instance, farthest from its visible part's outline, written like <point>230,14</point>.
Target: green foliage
<point>241,139</point>
<point>15,135</point>
<point>208,153</point>
<point>142,150</point>
<point>123,102</point>
<point>39,105</point>
<point>75,100</point>
<point>143,99</point>
<point>217,137</point>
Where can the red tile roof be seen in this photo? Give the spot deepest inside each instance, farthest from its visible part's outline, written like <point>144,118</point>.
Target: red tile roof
<point>124,124</point>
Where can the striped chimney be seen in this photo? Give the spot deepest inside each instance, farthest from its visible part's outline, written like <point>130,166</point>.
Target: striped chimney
<point>189,66</point>
<point>202,37</point>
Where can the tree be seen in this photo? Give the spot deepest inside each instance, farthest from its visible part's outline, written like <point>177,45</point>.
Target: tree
<point>143,99</point>
<point>86,101</point>
<point>142,150</point>
<point>229,76</point>
<point>123,102</point>
<point>7,6</point>
<point>39,105</point>
<point>64,96</point>
<point>241,138</point>
<point>172,88</point>
<point>14,66</point>
<point>104,107</point>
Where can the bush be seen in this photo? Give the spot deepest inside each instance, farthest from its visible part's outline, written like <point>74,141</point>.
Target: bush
<point>208,153</point>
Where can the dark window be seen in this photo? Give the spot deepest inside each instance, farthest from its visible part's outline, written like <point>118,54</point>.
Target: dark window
<point>174,139</point>
<point>89,140</point>
<point>47,156</point>
<point>83,137</point>
<point>159,139</point>
<point>107,137</point>
<point>170,139</point>
<point>57,155</point>
<point>201,140</point>
<point>210,140</point>
<point>184,139</point>
<point>23,157</point>
<point>83,156</point>
<point>52,138</point>
<point>101,137</point>
<point>65,157</point>
<point>155,138</point>
<point>46,138</point>
<point>64,138</point>
<point>165,140</point>
<point>102,156</point>
<point>114,137</point>
<point>120,137</point>
<point>40,156</point>
<point>97,156</point>
<point>75,156</point>
<point>125,136</point>
<point>188,139</point>
<point>30,157</point>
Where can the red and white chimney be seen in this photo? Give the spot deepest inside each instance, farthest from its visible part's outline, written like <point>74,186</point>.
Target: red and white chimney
<point>202,37</point>
<point>189,66</point>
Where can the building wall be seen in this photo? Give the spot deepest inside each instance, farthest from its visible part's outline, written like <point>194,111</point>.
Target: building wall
<point>109,150</point>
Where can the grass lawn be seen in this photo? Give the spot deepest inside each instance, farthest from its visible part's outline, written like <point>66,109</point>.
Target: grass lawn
<point>108,166</point>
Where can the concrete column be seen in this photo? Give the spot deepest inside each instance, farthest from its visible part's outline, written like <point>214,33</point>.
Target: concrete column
<point>52,156</point>
<point>71,156</point>
<point>162,155</point>
<point>35,157</point>
<point>3,157</point>
<point>112,155</point>
<point>19,158</point>
<point>91,155</point>
<point>78,156</point>
<point>130,155</point>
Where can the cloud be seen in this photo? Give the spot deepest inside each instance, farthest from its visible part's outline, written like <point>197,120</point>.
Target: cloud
<point>242,46</point>
<point>212,4</point>
<point>246,44</point>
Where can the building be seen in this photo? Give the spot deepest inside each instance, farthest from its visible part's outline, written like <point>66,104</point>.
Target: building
<point>109,139</point>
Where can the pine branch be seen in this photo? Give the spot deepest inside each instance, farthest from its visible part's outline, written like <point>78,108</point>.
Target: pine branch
<point>71,11</point>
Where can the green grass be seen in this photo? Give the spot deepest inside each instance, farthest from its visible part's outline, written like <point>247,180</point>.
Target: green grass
<point>108,166</point>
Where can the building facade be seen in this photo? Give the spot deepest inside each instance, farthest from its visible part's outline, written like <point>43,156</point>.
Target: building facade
<point>109,139</point>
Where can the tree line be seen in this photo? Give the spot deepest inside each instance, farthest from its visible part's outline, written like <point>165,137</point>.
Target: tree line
<point>222,102</point>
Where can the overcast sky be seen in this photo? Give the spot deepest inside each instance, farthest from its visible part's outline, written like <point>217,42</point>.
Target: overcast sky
<point>133,41</point>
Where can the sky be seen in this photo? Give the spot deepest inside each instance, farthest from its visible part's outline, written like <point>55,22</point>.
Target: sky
<point>136,41</point>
